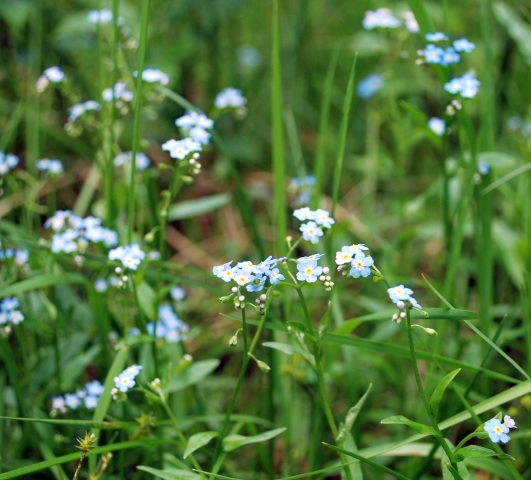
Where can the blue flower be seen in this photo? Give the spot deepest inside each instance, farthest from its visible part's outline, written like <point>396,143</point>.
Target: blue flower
<point>496,430</point>
<point>308,270</point>
<point>303,214</point>
<point>256,284</point>
<point>51,166</point>
<point>402,294</point>
<point>151,75</point>
<point>467,86</point>
<point>275,276</point>
<point>8,161</point>
<point>483,168</point>
<point>436,37</point>
<point>230,98</point>
<point>361,265</point>
<point>369,86</point>
<point>463,45</point>
<point>323,218</point>
<point>177,293</point>
<point>311,232</point>
<point>449,55</point>
<point>130,256</point>
<point>432,54</point>
<point>381,18</point>
<point>437,125</point>
<point>126,380</point>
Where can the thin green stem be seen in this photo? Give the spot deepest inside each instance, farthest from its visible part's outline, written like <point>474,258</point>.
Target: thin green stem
<point>321,381</point>
<point>136,122</point>
<point>418,380</point>
<point>178,430</point>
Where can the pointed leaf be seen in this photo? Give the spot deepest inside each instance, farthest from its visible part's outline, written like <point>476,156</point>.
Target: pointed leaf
<point>147,300</point>
<point>475,451</point>
<point>232,442</point>
<point>438,393</point>
<point>192,375</point>
<point>350,418</point>
<point>401,420</point>
<point>170,473</point>
<point>195,442</point>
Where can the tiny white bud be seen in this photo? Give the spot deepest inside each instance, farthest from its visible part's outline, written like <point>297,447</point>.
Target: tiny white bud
<point>322,278</point>
<point>263,297</point>
<point>117,270</point>
<point>241,298</point>
<point>402,315</point>
<point>326,270</point>
<point>400,304</point>
<point>234,289</point>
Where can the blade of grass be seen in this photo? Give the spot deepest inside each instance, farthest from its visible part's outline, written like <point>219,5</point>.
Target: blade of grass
<point>320,155</point>
<point>277,132</point>
<point>136,122</point>
<point>343,131</point>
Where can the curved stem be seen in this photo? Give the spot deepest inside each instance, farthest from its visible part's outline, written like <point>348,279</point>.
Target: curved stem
<point>321,382</point>
<point>433,420</point>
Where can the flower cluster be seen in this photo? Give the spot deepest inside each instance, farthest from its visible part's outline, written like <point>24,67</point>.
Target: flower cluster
<point>8,161</point>
<point>75,111</point>
<point>51,166</point>
<point>315,219</point>
<point>180,149</point>
<point>9,314</point>
<point>302,187</point>
<point>230,98</point>
<point>102,16</point>
<point>497,430</point>
<point>196,125</point>
<point>130,256</point>
<point>124,159</point>
<point>352,260</point>
<point>447,55</point>
<point>19,255</point>
<point>119,92</point>
<point>251,275</point>
<point>125,380</point>
<point>384,18</point>
<point>151,75</point>
<point>74,234</point>
<point>169,326</point>
<point>402,296</point>
<point>50,75</point>
<point>88,396</point>
<point>467,86</point>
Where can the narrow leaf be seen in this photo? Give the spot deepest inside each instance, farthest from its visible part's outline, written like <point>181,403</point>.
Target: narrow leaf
<point>170,473</point>
<point>401,420</point>
<point>199,206</point>
<point>232,442</point>
<point>475,451</point>
<point>192,375</point>
<point>438,393</point>
<point>195,442</point>
<point>350,418</point>
<point>147,300</point>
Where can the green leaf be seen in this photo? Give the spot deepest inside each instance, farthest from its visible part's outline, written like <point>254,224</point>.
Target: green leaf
<point>475,451</point>
<point>401,420</point>
<point>199,206</point>
<point>41,281</point>
<point>232,442</point>
<point>350,418</point>
<point>448,471</point>
<point>192,375</point>
<point>516,27</point>
<point>147,300</point>
<point>290,350</point>
<point>198,440</point>
<point>170,473</point>
<point>438,393</point>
